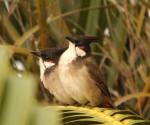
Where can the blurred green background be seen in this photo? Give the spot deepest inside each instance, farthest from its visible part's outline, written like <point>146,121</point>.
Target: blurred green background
<point>123,51</point>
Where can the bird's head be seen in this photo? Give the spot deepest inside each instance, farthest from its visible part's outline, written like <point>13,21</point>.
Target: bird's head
<point>48,57</point>
<point>82,44</point>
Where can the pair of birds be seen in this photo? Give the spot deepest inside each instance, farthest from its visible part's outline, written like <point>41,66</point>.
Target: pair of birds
<point>71,76</point>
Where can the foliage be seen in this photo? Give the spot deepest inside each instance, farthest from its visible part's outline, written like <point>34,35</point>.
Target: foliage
<point>84,115</point>
<point>123,51</point>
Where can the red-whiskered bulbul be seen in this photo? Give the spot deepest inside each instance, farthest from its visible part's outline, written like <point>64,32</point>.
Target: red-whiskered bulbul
<point>48,60</point>
<point>80,76</point>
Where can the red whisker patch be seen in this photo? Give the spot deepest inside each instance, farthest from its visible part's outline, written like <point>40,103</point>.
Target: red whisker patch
<point>82,47</point>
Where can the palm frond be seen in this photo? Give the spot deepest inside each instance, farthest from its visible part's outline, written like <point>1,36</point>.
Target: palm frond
<point>85,115</point>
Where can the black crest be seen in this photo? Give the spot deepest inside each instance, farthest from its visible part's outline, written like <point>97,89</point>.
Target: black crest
<point>82,40</point>
<point>49,54</point>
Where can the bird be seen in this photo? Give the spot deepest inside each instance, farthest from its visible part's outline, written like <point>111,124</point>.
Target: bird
<point>79,74</point>
<point>48,60</point>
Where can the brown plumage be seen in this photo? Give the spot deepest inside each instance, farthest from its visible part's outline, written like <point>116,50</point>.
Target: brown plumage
<point>97,75</point>
<point>52,83</point>
<point>49,74</point>
<point>81,79</point>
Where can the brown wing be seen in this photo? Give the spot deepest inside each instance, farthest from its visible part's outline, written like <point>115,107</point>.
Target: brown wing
<point>43,93</point>
<point>99,78</point>
<point>94,73</point>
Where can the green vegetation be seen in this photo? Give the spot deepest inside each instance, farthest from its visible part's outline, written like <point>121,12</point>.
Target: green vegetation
<point>123,53</point>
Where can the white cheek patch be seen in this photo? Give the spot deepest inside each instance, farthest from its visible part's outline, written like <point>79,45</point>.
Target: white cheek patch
<point>43,66</point>
<point>48,64</point>
<point>80,52</point>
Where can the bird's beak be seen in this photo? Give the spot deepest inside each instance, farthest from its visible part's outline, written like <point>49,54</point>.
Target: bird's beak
<point>36,53</point>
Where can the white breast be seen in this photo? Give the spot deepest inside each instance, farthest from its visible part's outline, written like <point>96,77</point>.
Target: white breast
<point>55,87</point>
<point>68,56</point>
<point>67,77</point>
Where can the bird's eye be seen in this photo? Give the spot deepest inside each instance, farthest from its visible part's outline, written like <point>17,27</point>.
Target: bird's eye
<point>77,42</point>
<point>45,57</point>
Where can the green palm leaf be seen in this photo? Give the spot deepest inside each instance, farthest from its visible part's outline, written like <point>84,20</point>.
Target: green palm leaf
<point>85,115</point>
